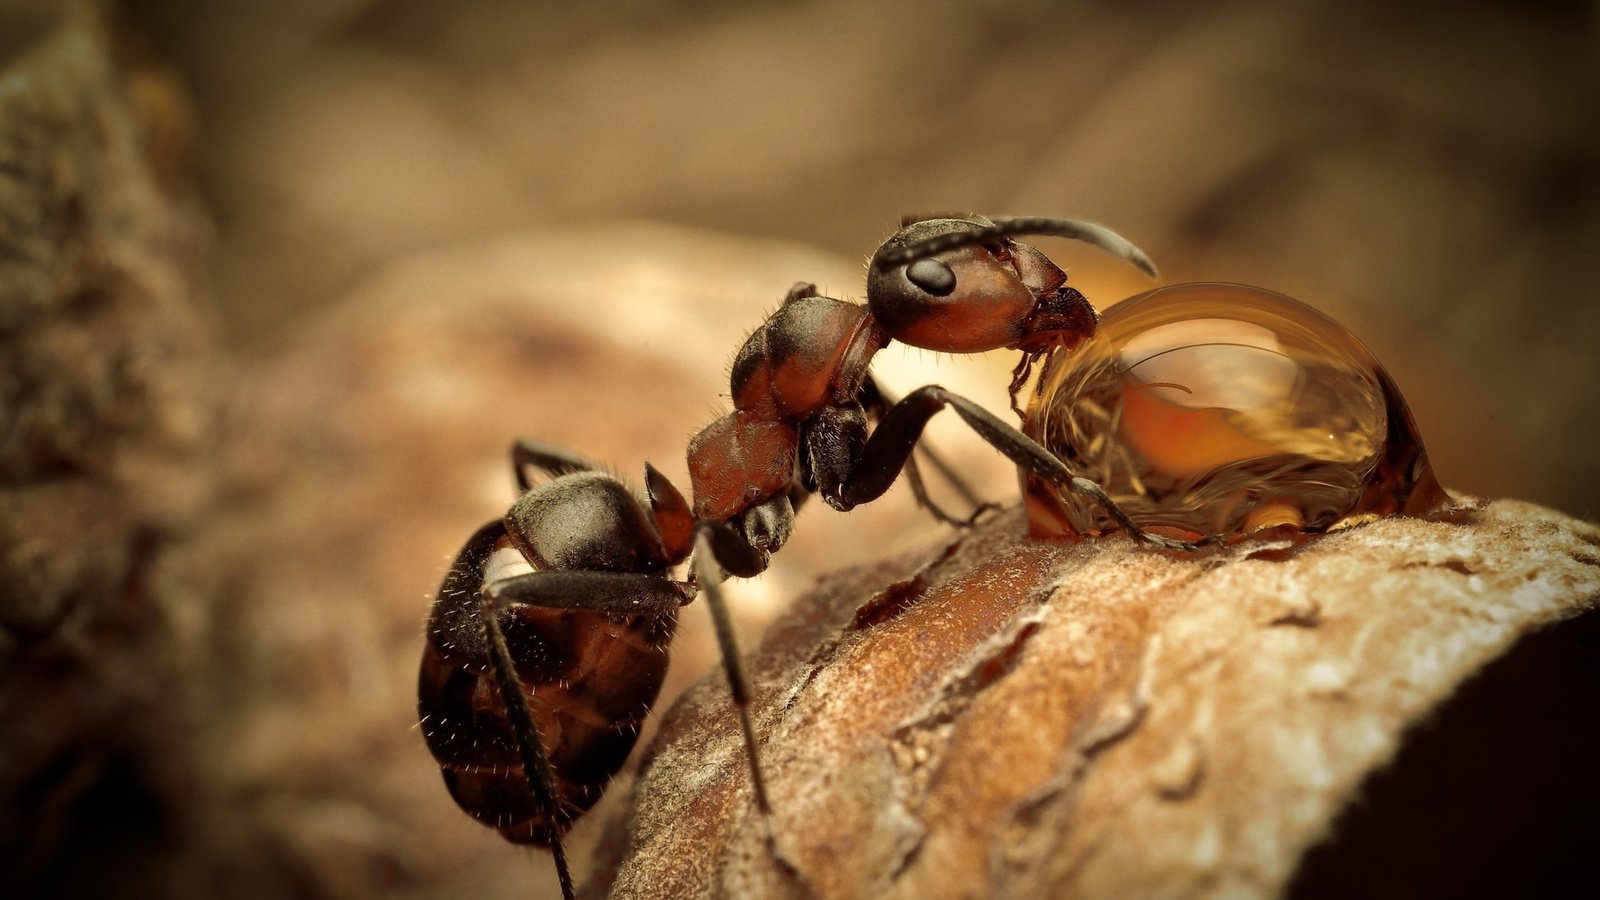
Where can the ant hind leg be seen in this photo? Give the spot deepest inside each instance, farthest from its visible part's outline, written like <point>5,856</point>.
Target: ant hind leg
<point>535,764</point>
<point>800,291</point>
<point>552,460</point>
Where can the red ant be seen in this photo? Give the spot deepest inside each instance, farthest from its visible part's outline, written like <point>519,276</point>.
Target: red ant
<point>568,598</point>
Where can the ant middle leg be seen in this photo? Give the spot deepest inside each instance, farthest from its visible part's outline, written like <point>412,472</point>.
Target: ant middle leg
<point>877,402</point>
<point>874,468</point>
<point>720,551</point>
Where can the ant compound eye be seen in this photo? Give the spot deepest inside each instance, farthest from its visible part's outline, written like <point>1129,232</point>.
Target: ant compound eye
<point>1223,409</point>
<point>932,276</point>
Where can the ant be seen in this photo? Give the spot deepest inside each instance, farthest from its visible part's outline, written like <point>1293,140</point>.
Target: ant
<point>568,598</point>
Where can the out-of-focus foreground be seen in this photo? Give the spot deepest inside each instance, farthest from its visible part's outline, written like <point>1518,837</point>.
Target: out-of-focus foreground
<point>282,281</point>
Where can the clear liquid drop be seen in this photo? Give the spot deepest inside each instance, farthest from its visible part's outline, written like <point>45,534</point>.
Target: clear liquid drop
<point>1225,409</point>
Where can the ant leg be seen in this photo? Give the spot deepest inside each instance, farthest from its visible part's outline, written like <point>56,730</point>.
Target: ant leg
<point>800,291</point>
<point>708,577</point>
<point>880,461</point>
<point>877,403</point>
<point>919,491</point>
<point>615,592</point>
<point>948,473</point>
<point>535,764</point>
<point>718,548</point>
<point>468,618</point>
<point>553,460</point>
<point>621,593</point>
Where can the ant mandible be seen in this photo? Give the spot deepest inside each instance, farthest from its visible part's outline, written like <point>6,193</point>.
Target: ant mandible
<point>568,598</point>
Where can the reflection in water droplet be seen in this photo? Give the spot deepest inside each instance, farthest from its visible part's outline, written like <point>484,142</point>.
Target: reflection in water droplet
<point>1220,409</point>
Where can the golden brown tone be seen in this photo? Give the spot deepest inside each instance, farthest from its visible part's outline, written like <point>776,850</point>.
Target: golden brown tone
<point>1002,716</point>
<point>209,623</point>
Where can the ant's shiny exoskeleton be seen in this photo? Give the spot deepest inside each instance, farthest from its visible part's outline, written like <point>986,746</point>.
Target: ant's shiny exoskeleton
<point>547,642</point>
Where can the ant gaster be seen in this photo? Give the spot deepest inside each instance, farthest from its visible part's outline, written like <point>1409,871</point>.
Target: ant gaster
<point>547,641</point>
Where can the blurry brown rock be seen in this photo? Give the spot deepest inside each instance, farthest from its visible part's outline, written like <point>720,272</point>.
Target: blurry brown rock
<point>105,456</point>
<point>1401,708</point>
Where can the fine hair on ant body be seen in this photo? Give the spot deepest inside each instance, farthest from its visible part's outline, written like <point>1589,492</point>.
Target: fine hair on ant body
<point>547,642</point>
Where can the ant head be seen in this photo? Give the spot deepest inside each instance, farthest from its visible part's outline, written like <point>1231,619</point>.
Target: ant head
<point>962,285</point>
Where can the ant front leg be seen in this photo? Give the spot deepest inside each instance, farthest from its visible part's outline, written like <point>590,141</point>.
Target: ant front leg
<point>875,467</point>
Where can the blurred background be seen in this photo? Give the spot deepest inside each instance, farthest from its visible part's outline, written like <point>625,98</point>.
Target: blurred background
<point>1427,174</point>
<point>642,181</point>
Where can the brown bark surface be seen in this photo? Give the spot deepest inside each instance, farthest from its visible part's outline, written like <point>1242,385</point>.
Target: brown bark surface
<point>999,716</point>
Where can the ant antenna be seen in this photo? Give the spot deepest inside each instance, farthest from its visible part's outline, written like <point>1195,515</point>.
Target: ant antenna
<point>1088,232</point>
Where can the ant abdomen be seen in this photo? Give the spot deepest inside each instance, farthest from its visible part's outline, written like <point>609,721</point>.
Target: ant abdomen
<point>590,679</point>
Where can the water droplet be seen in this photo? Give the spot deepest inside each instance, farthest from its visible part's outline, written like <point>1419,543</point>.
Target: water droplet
<point>1225,409</point>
